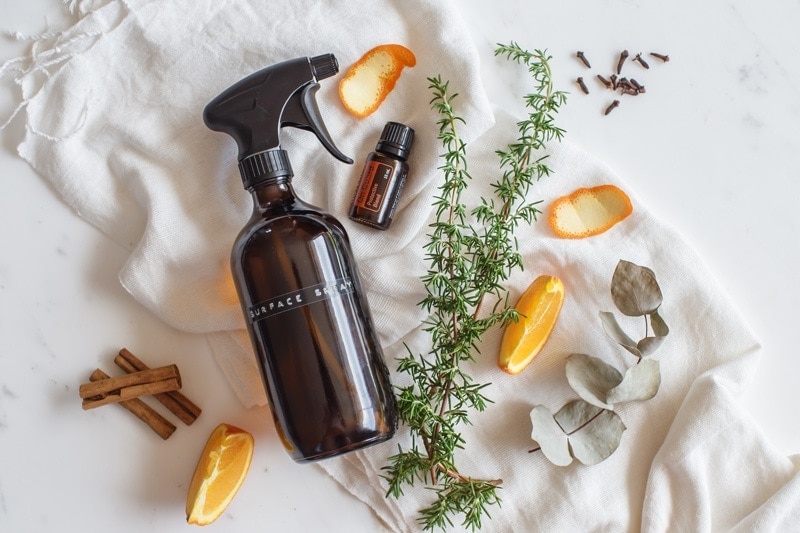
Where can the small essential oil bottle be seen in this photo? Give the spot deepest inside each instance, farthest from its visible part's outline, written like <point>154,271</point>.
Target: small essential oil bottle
<point>383,177</point>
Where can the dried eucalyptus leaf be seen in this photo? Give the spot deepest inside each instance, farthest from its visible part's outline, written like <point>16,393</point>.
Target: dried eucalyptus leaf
<point>641,382</point>
<point>552,440</point>
<point>594,433</point>
<point>596,441</point>
<point>660,328</point>
<point>617,334</point>
<point>575,414</point>
<point>591,378</point>
<point>648,345</point>
<point>634,289</point>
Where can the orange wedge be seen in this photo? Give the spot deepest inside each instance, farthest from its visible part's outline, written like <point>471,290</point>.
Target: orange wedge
<point>589,212</point>
<point>220,472</point>
<point>538,307</point>
<point>372,78</point>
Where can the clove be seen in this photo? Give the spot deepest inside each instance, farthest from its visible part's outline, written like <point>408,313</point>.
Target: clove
<point>582,57</point>
<point>662,57</point>
<point>605,82</point>
<point>616,82</point>
<point>611,107</point>
<point>639,59</point>
<point>622,57</point>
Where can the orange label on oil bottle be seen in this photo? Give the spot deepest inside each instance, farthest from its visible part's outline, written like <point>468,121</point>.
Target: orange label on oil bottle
<point>374,182</point>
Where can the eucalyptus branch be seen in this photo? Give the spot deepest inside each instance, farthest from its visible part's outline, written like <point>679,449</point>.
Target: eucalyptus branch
<point>589,429</point>
<point>470,255</point>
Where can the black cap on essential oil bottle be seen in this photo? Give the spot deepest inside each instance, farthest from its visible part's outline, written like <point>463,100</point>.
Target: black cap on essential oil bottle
<point>396,140</point>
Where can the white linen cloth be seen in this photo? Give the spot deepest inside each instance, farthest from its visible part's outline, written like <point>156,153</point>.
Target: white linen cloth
<point>113,109</point>
<point>117,128</point>
<point>690,459</point>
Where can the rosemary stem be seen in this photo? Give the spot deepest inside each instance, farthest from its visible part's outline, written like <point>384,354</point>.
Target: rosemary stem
<point>455,197</point>
<point>469,259</point>
<point>455,475</point>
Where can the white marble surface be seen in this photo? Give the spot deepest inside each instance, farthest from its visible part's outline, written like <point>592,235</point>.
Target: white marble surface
<point>713,148</point>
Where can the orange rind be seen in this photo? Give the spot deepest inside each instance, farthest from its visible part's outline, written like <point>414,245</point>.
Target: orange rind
<point>538,308</point>
<point>220,472</point>
<point>589,211</point>
<point>367,83</point>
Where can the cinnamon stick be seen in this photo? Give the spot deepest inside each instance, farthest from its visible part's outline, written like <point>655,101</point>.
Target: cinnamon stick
<point>163,427</point>
<point>129,393</point>
<point>178,404</point>
<point>151,381</point>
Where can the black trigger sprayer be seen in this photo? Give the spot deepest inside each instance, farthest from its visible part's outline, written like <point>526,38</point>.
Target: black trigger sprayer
<point>306,313</point>
<point>254,110</point>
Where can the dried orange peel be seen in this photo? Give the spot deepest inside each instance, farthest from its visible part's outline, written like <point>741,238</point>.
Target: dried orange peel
<point>538,308</point>
<point>220,472</point>
<point>367,83</point>
<point>588,212</point>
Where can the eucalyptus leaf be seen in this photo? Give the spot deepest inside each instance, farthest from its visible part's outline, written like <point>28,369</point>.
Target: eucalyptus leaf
<point>575,414</point>
<point>634,289</point>
<point>641,382</point>
<point>648,345</point>
<point>550,437</point>
<point>660,328</point>
<point>592,378</point>
<point>617,334</point>
<point>594,433</point>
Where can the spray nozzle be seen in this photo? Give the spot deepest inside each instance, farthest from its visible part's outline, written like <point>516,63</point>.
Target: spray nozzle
<point>254,110</point>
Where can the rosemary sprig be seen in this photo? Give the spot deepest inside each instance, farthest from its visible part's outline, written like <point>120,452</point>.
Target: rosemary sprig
<point>470,254</point>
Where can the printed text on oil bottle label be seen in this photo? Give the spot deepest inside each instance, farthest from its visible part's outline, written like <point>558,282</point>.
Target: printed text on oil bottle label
<point>374,182</point>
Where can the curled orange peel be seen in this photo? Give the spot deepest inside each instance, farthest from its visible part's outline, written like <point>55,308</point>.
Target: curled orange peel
<point>589,211</point>
<point>367,83</point>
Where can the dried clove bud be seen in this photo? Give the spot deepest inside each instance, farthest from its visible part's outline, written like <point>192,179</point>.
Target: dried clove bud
<point>622,57</point>
<point>662,57</point>
<point>611,107</point>
<point>638,86</point>
<point>582,85</point>
<point>639,59</point>
<point>583,59</point>
<point>605,82</point>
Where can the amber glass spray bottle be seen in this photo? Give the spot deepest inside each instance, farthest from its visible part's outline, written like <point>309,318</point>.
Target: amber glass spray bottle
<point>322,365</point>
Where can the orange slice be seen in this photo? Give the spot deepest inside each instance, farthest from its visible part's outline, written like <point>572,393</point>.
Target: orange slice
<point>589,212</point>
<point>372,78</point>
<point>220,472</point>
<point>538,307</point>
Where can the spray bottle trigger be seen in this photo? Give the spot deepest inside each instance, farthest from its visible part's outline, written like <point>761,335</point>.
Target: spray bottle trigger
<point>302,112</point>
